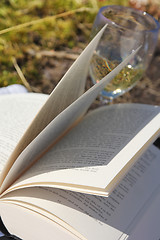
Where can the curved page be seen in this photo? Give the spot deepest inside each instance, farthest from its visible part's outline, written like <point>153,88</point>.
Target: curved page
<point>70,87</point>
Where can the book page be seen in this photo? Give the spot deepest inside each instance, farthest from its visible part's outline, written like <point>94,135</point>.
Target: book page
<point>96,217</point>
<point>33,226</point>
<point>56,128</point>
<point>16,113</point>
<point>89,157</point>
<point>70,87</point>
<point>148,226</point>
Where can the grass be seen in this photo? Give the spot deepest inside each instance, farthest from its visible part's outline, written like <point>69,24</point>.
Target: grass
<point>29,26</point>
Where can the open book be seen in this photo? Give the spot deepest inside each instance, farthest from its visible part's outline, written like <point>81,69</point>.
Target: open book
<point>69,175</point>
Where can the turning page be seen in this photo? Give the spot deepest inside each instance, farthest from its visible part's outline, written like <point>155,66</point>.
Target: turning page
<point>70,87</point>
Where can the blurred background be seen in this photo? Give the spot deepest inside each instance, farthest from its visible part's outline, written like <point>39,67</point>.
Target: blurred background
<point>40,39</point>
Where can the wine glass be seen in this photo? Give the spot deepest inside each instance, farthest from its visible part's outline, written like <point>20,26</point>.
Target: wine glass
<point>126,30</point>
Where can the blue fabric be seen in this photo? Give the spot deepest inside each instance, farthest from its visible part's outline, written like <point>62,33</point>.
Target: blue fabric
<point>15,88</point>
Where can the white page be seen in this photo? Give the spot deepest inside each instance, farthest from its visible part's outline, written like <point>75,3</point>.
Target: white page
<point>110,217</point>
<point>148,226</point>
<point>29,225</point>
<point>16,113</point>
<point>63,122</point>
<point>83,158</point>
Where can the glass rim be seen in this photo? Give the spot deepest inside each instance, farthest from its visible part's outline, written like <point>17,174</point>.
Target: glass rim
<point>142,13</point>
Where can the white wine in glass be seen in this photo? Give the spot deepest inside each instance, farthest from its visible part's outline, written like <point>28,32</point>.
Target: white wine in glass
<point>126,30</point>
